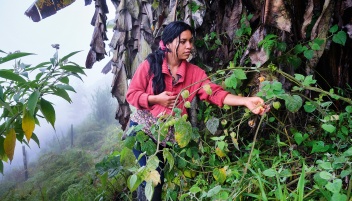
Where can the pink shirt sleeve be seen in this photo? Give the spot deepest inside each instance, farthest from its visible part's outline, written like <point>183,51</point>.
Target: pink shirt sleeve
<point>137,93</point>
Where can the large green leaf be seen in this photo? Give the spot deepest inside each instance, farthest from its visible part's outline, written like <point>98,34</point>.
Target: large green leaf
<point>293,103</point>
<point>32,102</point>
<point>169,158</point>
<point>35,139</point>
<point>68,56</point>
<point>48,111</point>
<point>62,93</point>
<point>8,74</point>
<point>13,56</point>
<point>65,87</point>
<point>74,69</point>
<point>183,132</point>
<point>219,175</point>
<point>334,186</point>
<point>340,37</point>
<point>240,74</point>
<point>212,124</point>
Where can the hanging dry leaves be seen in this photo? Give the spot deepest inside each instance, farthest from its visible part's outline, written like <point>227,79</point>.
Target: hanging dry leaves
<point>41,9</point>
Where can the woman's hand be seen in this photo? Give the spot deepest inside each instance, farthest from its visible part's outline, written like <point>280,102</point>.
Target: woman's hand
<point>166,99</point>
<point>256,105</point>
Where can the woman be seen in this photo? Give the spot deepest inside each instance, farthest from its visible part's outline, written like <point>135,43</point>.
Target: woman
<point>157,81</point>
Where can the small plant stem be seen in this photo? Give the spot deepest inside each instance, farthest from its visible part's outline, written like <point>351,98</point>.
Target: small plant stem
<point>251,153</point>
<point>349,189</point>
<point>308,194</point>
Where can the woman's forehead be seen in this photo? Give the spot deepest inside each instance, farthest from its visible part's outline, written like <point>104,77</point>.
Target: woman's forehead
<point>186,35</point>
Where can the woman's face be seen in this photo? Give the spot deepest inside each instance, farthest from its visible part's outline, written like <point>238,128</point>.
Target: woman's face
<point>182,45</point>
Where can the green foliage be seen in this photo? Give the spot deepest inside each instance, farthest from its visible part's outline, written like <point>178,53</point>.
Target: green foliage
<point>22,96</point>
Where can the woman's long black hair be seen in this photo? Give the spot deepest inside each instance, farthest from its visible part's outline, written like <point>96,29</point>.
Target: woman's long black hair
<point>155,59</point>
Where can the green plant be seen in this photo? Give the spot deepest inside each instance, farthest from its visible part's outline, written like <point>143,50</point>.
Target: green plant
<point>23,97</point>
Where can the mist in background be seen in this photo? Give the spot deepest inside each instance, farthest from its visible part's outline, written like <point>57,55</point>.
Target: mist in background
<point>71,29</point>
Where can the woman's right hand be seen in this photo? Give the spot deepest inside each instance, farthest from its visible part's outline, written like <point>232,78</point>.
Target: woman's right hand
<point>166,99</point>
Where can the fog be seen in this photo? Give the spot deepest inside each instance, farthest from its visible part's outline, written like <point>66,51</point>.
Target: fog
<point>71,29</point>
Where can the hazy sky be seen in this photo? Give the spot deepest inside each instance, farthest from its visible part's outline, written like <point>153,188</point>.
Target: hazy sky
<point>69,27</point>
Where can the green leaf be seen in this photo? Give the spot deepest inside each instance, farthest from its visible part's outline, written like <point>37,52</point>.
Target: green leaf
<point>35,139</point>
<point>183,132</point>
<point>231,82</point>
<point>299,77</point>
<point>319,41</point>
<point>169,158</point>
<point>132,183</point>
<point>48,111</point>
<point>319,146</point>
<point>219,175</point>
<point>349,109</point>
<point>269,172</point>
<point>149,191</point>
<point>212,125</point>
<point>74,69</point>
<point>32,102</point>
<point>152,163</point>
<point>68,56</point>
<point>240,74</point>
<point>13,56</point>
<point>141,137</point>
<point>348,152</point>
<point>329,128</point>
<point>298,49</point>
<point>195,189</point>
<point>64,80</point>
<point>308,54</point>
<point>129,142</point>
<point>41,65</point>
<point>294,60</point>
<point>309,107</point>
<point>8,74</point>
<point>214,191</point>
<point>62,93</point>
<point>293,103</point>
<point>340,38</point>
<point>333,29</point>
<point>277,86</point>
<point>299,138</point>
<point>339,197</point>
<point>149,147</point>
<point>335,186</point>
<point>308,80</point>
<point>65,87</point>
<point>315,46</point>
<point>326,165</point>
<point>322,181</point>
